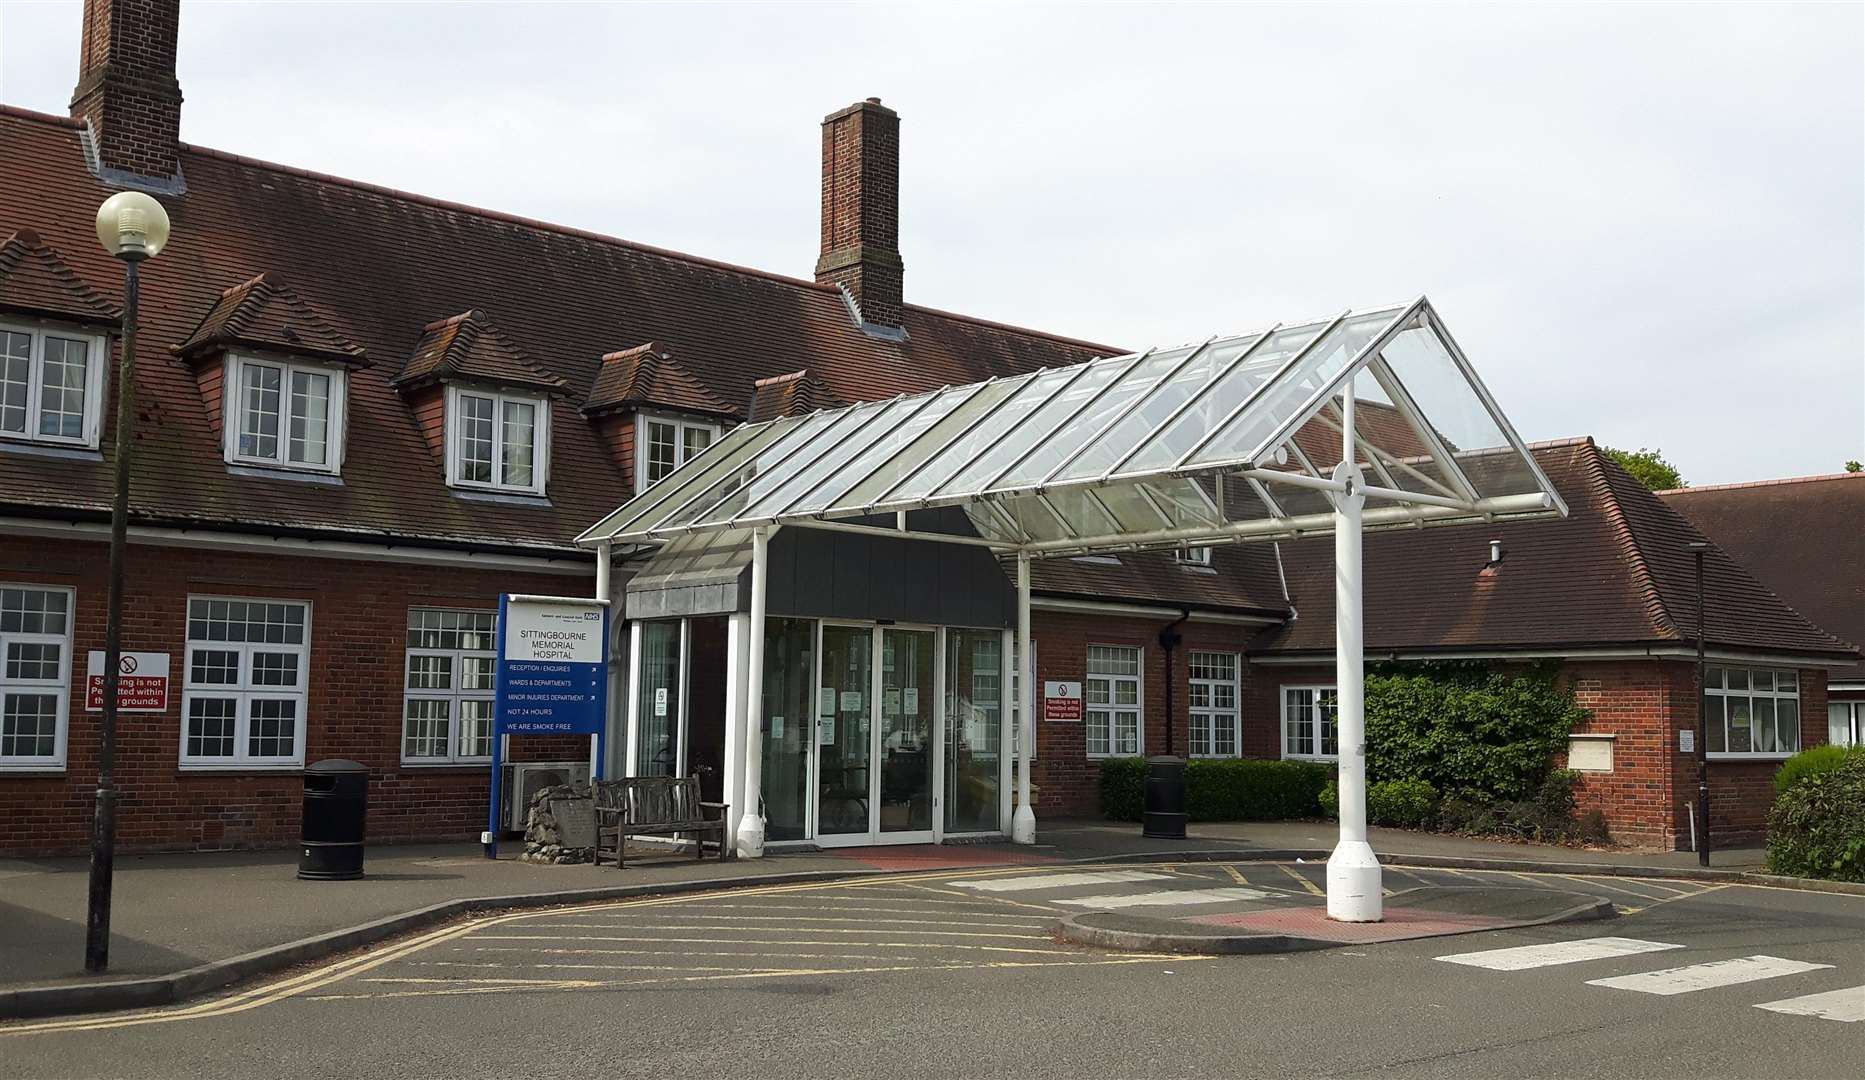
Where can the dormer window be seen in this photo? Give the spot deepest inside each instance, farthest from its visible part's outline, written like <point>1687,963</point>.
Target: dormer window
<point>667,443</point>
<point>497,441</point>
<point>286,415</point>
<point>51,385</point>
<point>1192,556</point>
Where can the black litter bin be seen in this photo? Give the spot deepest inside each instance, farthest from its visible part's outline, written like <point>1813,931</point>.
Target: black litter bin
<point>336,804</point>
<point>1165,798</point>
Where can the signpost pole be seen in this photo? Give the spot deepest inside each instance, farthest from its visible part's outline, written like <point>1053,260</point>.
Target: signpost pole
<point>1354,893</point>
<point>491,838</point>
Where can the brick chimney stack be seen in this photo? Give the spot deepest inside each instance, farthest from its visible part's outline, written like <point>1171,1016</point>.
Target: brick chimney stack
<point>861,209</point>
<point>127,87</point>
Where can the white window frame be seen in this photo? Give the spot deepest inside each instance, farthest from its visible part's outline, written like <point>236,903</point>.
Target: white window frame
<point>59,687</point>
<point>1854,720</point>
<point>233,413</point>
<point>1214,714</point>
<point>244,691</point>
<point>643,420</point>
<point>97,355</point>
<point>453,695</point>
<point>1138,708</point>
<point>1717,678</point>
<point>540,440</point>
<point>1199,556</point>
<point>1315,720</point>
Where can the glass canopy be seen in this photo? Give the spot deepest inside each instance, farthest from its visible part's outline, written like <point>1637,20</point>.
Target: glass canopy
<point>1232,438</point>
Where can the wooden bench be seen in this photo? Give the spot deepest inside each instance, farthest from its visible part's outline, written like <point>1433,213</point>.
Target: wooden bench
<point>655,806</point>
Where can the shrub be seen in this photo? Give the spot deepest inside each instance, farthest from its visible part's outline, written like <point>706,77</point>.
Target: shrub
<point>1807,763</point>
<point>1471,733</point>
<point>1404,803</point>
<point>1228,790</point>
<point>1817,826</point>
<point>1330,799</point>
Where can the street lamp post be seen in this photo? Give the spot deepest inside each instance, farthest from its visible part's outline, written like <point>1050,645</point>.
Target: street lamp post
<point>1697,548</point>
<point>132,227</point>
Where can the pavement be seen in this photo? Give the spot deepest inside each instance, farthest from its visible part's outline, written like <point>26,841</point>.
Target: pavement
<point>177,911</point>
<point>956,972</point>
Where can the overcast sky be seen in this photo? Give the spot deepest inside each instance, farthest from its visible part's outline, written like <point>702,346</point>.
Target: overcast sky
<point>1644,223</point>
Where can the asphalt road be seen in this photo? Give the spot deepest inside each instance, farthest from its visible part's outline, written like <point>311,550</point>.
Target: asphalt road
<point>957,974</point>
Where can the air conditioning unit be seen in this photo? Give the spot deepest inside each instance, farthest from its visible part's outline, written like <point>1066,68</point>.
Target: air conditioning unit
<point>525,779</point>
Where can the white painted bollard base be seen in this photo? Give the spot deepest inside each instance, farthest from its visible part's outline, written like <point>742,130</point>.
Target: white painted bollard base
<point>1354,890</point>
<point>1023,825</point>
<point>750,839</point>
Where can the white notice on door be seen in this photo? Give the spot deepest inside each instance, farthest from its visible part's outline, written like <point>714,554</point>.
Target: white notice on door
<point>851,701</point>
<point>825,731</point>
<point>660,701</point>
<point>777,727</point>
<point>890,703</point>
<point>826,703</point>
<point>910,700</point>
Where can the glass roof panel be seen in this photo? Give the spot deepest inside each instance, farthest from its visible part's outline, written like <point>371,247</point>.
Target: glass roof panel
<point>1427,373</point>
<point>1035,519</point>
<point>728,453</point>
<point>1015,424</point>
<point>1167,446</point>
<point>1244,437</point>
<point>971,402</point>
<point>1084,382</point>
<point>1082,512</point>
<point>963,442</point>
<point>864,425</point>
<point>1094,415</point>
<point>733,488</point>
<point>1130,508</point>
<point>1183,500</point>
<point>893,434</point>
<point>1198,372</point>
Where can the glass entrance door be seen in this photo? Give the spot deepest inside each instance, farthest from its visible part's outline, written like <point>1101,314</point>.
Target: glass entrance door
<point>844,735</point>
<point>904,803</point>
<point>974,730</point>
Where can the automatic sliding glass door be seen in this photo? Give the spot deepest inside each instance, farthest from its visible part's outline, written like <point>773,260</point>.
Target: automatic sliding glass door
<point>974,730</point>
<point>908,698</point>
<point>844,732</point>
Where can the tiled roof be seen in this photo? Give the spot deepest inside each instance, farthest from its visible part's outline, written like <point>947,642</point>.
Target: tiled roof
<point>264,313</point>
<point>1804,538</point>
<point>468,346</point>
<point>793,394</point>
<point>383,265</point>
<point>1617,571</point>
<point>649,375</point>
<point>35,281</point>
<point>1243,579</point>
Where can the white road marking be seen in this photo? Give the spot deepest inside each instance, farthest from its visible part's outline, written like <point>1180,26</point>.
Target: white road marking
<point>1024,883</point>
<point>1166,898</point>
<point>1846,1006</point>
<point>1523,957</point>
<point>1685,980</point>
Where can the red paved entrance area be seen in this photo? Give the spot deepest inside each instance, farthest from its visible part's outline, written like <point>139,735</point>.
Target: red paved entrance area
<point>935,856</point>
<point>1313,922</point>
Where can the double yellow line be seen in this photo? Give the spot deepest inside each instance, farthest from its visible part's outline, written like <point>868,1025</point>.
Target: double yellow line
<point>272,993</point>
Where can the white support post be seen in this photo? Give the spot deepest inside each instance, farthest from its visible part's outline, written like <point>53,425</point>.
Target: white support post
<point>596,748</point>
<point>751,825</point>
<point>1354,889</point>
<point>1023,822</point>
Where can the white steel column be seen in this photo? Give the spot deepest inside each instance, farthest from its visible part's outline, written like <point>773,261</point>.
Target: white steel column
<point>751,825</point>
<point>1023,822</point>
<point>631,765</point>
<point>735,639</point>
<point>1354,891</point>
<point>598,747</point>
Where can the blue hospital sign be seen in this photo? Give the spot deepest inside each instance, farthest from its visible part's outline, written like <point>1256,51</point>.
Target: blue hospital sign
<point>552,679</point>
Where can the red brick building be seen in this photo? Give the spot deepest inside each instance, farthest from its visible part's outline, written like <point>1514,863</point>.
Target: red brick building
<point>350,440</point>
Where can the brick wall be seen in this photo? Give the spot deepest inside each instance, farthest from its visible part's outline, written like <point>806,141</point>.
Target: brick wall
<point>359,616</point>
<point>1066,780</point>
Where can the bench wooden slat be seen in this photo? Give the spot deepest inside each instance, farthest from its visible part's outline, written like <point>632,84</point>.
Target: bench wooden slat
<point>655,806</point>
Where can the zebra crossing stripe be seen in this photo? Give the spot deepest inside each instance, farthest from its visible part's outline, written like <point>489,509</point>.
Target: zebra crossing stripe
<point>1524,957</point>
<point>1716,973</point>
<point>1165,898</point>
<point>1846,1006</point>
<point>1057,881</point>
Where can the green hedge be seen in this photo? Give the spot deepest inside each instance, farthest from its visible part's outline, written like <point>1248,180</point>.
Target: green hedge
<point>1472,734</point>
<point>1817,827</point>
<point>1409,804</point>
<point>1228,790</point>
<point>1810,762</point>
